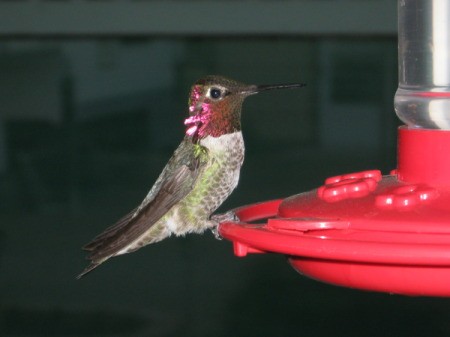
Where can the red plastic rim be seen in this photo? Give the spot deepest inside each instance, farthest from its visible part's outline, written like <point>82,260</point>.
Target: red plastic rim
<point>363,230</point>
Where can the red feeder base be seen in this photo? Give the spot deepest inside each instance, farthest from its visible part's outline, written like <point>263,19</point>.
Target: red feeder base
<point>363,230</point>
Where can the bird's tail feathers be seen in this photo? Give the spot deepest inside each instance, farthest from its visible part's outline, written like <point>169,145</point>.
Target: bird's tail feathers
<point>88,269</point>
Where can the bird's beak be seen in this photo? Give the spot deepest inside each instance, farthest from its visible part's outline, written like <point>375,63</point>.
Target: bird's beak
<point>254,89</point>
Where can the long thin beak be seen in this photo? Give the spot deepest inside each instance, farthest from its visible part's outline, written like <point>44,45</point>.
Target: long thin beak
<point>254,89</point>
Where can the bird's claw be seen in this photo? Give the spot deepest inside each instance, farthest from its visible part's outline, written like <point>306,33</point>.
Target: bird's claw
<point>229,216</point>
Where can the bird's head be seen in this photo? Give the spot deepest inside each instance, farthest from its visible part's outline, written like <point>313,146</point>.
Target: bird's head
<point>215,105</point>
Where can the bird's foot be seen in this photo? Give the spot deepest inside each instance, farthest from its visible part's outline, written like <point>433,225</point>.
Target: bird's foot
<point>225,217</point>
<point>229,216</point>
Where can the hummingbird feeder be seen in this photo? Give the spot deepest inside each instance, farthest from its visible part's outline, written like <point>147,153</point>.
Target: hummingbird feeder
<point>364,230</point>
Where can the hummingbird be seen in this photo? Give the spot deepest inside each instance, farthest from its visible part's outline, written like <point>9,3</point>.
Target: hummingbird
<point>200,175</point>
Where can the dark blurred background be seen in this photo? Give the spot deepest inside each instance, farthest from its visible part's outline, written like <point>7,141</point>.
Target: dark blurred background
<point>92,100</point>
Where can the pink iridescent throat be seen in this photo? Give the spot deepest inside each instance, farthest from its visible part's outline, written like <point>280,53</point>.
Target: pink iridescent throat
<point>196,123</point>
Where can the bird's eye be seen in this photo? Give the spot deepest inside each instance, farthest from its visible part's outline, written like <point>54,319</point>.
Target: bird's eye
<point>215,93</point>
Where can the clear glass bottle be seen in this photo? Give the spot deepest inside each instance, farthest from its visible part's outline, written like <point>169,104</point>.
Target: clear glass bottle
<point>423,96</point>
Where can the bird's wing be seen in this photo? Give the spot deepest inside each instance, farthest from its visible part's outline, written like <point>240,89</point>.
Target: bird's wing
<point>174,183</point>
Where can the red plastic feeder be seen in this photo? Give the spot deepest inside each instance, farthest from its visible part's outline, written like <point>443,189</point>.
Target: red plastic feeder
<point>368,231</point>
<point>364,230</point>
